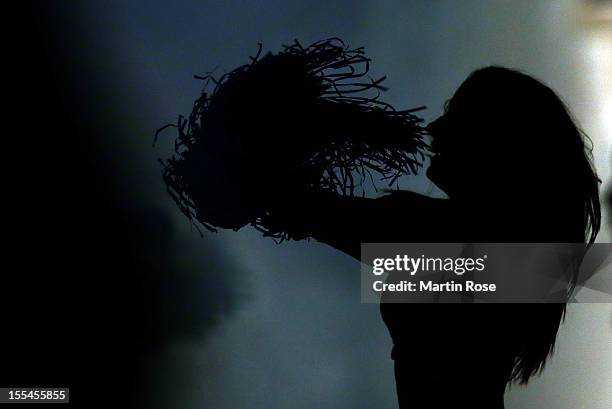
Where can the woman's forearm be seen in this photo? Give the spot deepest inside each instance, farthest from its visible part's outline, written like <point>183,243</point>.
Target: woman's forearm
<point>345,222</point>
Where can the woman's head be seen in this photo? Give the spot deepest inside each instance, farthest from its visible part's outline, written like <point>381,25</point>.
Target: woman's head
<point>506,138</point>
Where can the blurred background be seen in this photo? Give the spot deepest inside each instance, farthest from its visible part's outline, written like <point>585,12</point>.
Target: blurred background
<point>233,320</point>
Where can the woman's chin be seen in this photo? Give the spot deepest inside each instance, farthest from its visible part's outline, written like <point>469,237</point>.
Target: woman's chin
<point>434,175</point>
<point>433,172</point>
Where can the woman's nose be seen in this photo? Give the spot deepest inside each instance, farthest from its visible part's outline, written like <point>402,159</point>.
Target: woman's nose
<point>435,130</point>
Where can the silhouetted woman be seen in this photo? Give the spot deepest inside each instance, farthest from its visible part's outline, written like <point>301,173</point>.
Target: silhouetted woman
<point>516,169</point>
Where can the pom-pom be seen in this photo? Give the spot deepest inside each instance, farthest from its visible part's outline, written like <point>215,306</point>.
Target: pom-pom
<point>306,118</point>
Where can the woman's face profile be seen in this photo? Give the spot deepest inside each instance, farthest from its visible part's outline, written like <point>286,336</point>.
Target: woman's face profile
<point>474,141</point>
<point>454,165</point>
<point>441,161</point>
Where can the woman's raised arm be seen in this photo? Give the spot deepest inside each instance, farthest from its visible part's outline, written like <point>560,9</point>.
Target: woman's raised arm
<point>344,222</point>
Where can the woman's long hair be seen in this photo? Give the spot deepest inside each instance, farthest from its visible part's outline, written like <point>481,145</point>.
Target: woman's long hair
<point>534,146</point>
